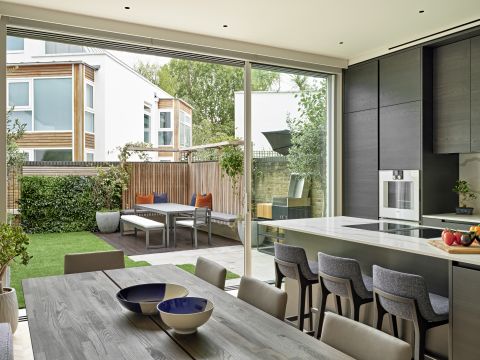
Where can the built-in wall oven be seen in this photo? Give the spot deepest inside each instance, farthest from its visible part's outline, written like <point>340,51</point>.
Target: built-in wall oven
<point>399,194</point>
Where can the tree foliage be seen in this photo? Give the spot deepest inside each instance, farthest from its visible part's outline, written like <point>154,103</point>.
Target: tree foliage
<point>13,247</point>
<point>209,89</point>
<point>15,130</point>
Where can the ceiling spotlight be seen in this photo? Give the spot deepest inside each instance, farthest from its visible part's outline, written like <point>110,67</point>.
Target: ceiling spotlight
<point>127,7</point>
<point>225,26</point>
<point>421,11</point>
<point>340,43</point>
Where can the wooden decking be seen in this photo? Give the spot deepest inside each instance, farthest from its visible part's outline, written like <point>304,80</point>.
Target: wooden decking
<point>132,245</point>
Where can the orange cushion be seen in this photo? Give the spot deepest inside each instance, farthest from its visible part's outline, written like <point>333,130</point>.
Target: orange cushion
<point>144,199</point>
<point>204,201</point>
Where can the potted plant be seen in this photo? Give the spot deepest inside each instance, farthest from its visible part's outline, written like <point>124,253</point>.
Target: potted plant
<point>465,193</point>
<point>13,247</point>
<point>109,185</point>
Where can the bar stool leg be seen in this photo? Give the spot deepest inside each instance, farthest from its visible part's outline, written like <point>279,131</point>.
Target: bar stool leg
<point>393,324</point>
<point>310,306</point>
<point>321,313</point>
<point>301,306</point>
<point>338,304</point>
<point>420,330</point>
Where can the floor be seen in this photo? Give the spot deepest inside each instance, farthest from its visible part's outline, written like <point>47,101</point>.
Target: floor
<point>232,257</point>
<point>135,245</point>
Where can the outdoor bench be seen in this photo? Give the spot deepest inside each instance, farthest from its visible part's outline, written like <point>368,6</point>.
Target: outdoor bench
<point>144,224</point>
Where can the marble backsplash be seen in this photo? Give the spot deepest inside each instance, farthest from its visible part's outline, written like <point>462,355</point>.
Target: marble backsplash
<point>469,169</point>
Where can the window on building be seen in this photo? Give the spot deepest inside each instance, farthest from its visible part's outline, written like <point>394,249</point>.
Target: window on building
<point>185,129</point>
<point>52,104</point>
<point>165,134</point>
<point>146,123</point>
<point>53,155</point>
<point>15,44</point>
<point>20,103</point>
<point>59,48</point>
<point>89,156</point>
<point>89,110</point>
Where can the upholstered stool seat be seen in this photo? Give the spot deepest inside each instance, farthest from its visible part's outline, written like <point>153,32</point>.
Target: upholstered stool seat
<point>406,296</point>
<point>343,278</point>
<point>291,262</point>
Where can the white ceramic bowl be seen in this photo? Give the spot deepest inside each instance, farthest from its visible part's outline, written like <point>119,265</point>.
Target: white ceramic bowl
<point>185,315</point>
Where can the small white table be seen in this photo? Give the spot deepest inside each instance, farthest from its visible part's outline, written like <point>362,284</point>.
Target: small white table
<point>169,209</point>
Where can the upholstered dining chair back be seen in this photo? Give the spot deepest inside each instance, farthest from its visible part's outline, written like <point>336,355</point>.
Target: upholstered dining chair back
<point>94,261</point>
<point>362,342</point>
<point>211,272</point>
<point>263,296</point>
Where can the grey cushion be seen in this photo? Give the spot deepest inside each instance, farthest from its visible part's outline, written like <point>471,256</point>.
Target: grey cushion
<point>361,341</point>
<point>296,255</point>
<point>432,307</point>
<point>346,269</point>
<point>211,272</point>
<point>263,296</point>
<point>6,347</point>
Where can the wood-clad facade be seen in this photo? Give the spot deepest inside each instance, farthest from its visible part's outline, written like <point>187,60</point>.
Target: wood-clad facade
<point>76,139</point>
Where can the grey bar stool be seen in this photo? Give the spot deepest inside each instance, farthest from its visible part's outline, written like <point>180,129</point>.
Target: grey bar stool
<point>291,262</point>
<point>341,277</point>
<point>406,296</point>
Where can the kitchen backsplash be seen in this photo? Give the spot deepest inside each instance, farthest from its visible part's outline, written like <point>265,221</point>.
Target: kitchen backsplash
<point>470,170</point>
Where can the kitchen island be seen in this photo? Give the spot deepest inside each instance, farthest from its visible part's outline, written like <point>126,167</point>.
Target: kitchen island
<point>452,275</point>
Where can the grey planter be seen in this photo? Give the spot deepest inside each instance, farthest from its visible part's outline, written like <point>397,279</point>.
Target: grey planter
<point>107,221</point>
<point>241,233</point>
<point>9,308</point>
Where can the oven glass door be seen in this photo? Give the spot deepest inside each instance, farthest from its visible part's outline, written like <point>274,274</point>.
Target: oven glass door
<point>400,199</point>
<point>400,195</point>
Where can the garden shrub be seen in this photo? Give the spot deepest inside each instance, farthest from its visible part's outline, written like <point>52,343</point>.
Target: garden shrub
<point>50,204</point>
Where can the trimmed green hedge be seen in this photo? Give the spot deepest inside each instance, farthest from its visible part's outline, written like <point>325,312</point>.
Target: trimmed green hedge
<point>52,204</point>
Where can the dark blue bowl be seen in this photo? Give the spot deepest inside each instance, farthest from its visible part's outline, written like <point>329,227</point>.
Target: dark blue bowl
<point>144,298</point>
<point>185,315</point>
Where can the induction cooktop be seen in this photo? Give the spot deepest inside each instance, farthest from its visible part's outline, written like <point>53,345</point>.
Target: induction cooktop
<point>400,229</point>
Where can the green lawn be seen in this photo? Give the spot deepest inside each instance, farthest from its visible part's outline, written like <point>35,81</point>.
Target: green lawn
<point>48,251</point>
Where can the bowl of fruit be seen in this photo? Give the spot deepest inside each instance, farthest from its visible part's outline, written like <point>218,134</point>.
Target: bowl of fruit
<point>461,238</point>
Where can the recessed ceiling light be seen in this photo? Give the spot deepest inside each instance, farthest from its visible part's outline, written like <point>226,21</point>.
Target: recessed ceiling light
<point>225,26</point>
<point>421,11</point>
<point>340,43</point>
<point>127,7</point>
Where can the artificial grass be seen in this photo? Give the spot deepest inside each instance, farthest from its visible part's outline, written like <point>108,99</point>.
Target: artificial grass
<point>191,269</point>
<point>48,251</point>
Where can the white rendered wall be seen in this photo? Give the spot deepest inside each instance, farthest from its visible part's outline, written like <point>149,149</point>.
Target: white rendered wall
<point>269,113</point>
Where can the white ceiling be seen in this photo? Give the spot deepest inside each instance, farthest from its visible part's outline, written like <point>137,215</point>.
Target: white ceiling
<point>366,27</point>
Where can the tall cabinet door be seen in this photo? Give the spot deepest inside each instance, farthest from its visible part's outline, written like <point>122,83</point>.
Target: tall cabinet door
<point>361,87</point>
<point>360,160</point>
<point>475,94</point>
<point>451,98</point>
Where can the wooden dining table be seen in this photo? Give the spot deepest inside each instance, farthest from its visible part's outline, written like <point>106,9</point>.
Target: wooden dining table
<point>77,316</point>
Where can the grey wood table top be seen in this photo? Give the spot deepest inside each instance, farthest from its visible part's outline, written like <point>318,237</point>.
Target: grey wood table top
<point>236,329</point>
<point>78,317</point>
<point>167,208</point>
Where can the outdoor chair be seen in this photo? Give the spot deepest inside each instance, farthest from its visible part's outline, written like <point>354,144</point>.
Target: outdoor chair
<point>6,347</point>
<point>263,296</point>
<point>211,272</point>
<point>200,217</point>
<point>94,261</point>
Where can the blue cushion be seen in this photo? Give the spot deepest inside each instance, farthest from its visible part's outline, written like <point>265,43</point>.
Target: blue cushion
<point>160,198</point>
<point>194,199</point>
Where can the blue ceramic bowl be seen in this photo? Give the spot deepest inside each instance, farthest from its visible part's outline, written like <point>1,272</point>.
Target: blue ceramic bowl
<point>144,298</point>
<point>185,315</point>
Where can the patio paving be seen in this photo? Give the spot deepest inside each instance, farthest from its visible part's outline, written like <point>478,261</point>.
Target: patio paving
<point>132,245</point>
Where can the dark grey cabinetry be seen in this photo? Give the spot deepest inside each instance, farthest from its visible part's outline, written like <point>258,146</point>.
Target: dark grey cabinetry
<point>451,98</point>
<point>465,317</point>
<point>361,87</point>
<point>475,93</point>
<point>400,78</point>
<point>360,160</point>
<point>400,136</point>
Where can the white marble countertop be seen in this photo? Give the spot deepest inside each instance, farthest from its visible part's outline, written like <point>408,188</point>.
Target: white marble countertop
<point>470,219</point>
<point>334,227</point>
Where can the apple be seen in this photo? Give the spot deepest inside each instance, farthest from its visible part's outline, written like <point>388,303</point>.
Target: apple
<point>448,238</point>
<point>445,231</point>
<point>457,238</point>
<point>467,239</point>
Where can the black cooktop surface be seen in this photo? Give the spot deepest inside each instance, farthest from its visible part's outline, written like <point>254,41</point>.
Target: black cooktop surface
<point>383,226</point>
<point>425,233</point>
<point>400,229</point>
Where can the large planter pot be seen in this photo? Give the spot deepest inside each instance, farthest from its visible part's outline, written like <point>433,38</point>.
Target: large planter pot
<point>255,237</point>
<point>107,221</point>
<point>9,307</point>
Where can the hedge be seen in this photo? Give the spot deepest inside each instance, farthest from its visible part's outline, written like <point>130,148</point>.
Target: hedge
<point>52,204</point>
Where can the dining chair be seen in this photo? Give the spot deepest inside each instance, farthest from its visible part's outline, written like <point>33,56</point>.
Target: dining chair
<point>362,342</point>
<point>343,278</point>
<point>406,296</point>
<point>291,262</point>
<point>263,296</point>
<point>211,272</point>
<point>6,346</point>
<point>200,217</point>
<point>94,261</point>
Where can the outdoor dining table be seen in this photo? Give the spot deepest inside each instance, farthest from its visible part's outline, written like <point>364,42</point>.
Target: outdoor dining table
<point>169,210</point>
<point>77,316</point>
